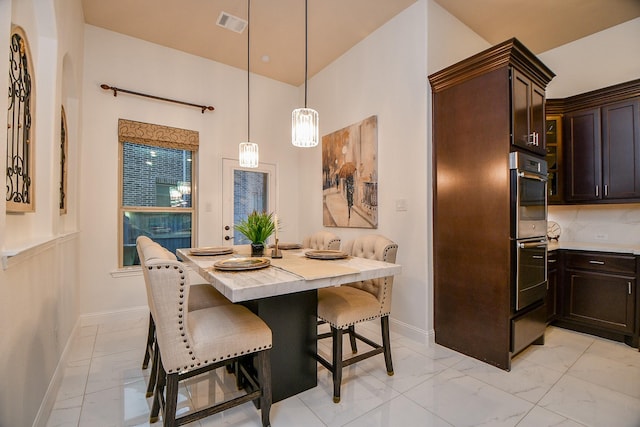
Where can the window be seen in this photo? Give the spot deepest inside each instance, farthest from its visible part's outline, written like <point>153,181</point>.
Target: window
<point>20,120</point>
<point>157,174</point>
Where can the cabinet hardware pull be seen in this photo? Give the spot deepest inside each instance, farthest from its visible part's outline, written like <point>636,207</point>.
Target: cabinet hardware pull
<point>629,283</point>
<point>596,262</point>
<point>606,190</point>
<point>551,261</point>
<point>537,257</point>
<point>597,191</point>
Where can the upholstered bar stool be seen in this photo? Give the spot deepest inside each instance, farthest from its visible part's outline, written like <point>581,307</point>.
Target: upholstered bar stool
<point>201,296</point>
<point>345,306</point>
<point>322,240</point>
<point>193,342</point>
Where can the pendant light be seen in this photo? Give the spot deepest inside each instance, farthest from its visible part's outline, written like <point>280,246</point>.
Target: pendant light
<point>248,151</point>
<point>304,121</point>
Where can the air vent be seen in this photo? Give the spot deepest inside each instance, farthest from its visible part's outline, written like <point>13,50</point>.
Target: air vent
<point>231,22</point>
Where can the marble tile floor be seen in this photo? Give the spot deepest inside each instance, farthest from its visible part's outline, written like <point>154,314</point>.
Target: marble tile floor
<point>573,380</point>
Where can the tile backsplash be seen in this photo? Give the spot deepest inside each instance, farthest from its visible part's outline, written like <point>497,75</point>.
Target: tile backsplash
<point>617,224</point>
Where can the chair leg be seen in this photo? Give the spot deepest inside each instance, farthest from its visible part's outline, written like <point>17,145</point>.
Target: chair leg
<point>264,380</point>
<point>337,362</point>
<point>352,339</point>
<point>154,371</point>
<point>171,401</point>
<point>150,339</point>
<point>161,379</point>
<point>386,344</point>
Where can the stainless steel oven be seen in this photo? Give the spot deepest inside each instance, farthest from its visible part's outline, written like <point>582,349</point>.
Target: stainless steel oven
<point>529,228</point>
<point>528,195</point>
<point>531,271</point>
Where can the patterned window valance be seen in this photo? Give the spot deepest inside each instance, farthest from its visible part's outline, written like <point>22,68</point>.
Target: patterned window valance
<point>161,136</point>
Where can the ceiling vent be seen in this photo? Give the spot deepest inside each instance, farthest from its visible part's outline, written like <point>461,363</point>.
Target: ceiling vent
<point>230,22</point>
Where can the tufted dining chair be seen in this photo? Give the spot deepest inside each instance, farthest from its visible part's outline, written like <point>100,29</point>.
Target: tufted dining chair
<point>201,296</point>
<point>345,306</point>
<point>194,342</point>
<point>322,240</point>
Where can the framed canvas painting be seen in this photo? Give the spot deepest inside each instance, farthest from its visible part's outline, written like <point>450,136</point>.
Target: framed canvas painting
<point>350,176</point>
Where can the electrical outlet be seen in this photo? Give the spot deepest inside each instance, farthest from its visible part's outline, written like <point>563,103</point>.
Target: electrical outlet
<point>602,236</point>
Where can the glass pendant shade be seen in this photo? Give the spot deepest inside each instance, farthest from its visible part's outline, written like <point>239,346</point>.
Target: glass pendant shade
<point>248,155</point>
<point>304,127</point>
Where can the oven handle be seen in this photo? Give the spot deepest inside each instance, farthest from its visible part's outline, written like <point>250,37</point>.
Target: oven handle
<point>536,244</point>
<point>532,176</point>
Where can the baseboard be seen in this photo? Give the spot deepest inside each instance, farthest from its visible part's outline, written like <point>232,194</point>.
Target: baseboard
<point>107,316</point>
<point>411,332</point>
<point>49,399</point>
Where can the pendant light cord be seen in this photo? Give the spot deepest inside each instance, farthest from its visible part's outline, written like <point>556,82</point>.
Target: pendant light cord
<point>306,47</point>
<point>248,63</point>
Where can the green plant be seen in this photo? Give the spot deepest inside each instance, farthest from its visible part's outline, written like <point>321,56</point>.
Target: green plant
<point>257,227</point>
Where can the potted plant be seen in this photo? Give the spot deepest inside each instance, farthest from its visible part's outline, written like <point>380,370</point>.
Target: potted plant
<point>257,228</point>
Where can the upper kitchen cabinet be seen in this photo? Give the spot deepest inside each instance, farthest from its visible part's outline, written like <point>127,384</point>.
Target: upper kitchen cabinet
<point>553,141</point>
<point>528,119</point>
<point>602,145</point>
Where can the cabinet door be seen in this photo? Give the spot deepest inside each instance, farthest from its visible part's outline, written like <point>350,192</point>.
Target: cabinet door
<point>621,150</point>
<point>551,300</point>
<point>582,155</point>
<point>601,300</point>
<point>527,115</point>
<point>553,143</point>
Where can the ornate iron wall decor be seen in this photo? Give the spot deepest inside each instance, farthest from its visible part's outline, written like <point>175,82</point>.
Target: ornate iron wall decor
<point>19,124</point>
<point>63,161</point>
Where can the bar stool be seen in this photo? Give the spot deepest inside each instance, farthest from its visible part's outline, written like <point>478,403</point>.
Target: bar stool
<point>344,306</point>
<point>201,296</point>
<point>193,342</point>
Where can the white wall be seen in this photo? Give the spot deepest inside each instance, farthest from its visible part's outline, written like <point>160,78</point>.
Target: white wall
<point>38,286</point>
<point>386,75</point>
<point>602,59</point>
<point>140,66</point>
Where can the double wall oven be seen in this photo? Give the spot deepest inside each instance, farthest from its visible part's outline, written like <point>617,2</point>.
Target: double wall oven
<point>529,247</point>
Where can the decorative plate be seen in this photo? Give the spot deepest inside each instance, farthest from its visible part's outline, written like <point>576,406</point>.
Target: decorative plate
<point>238,264</point>
<point>211,250</point>
<point>286,246</point>
<point>553,230</point>
<point>326,254</point>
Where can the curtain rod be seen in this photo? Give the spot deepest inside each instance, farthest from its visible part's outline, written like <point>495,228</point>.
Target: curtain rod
<point>115,90</point>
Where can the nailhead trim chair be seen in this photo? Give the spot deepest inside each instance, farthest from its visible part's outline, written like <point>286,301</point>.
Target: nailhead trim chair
<point>322,240</point>
<point>201,296</point>
<point>344,306</point>
<point>193,342</point>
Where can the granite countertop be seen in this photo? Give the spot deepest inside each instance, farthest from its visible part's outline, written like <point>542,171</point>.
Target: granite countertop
<point>597,247</point>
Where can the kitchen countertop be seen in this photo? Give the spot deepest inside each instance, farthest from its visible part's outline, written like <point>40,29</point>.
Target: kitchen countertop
<point>597,247</point>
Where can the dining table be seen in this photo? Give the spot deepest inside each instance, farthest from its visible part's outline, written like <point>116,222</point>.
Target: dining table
<point>283,292</point>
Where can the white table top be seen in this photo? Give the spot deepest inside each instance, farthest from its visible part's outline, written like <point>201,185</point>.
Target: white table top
<point>272,281</point>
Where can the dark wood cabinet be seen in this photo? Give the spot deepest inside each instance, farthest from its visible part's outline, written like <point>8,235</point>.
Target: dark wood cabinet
<point>599,294</point>
<point>477,104</point>
<point>600,156</point>
<point>528,119</point>
<point>552,299</point>
<point>553,144</point>
<point>582,155</point>
<point>621,150</point>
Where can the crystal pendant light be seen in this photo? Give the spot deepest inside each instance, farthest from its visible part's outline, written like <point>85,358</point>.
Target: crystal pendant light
<point>248,151</point>
<point>304,121</point>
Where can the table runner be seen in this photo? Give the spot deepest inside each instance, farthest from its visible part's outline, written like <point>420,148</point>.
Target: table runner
<point>311,269</point>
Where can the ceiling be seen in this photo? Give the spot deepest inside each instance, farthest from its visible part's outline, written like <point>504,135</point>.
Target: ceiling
<point>277,26</point>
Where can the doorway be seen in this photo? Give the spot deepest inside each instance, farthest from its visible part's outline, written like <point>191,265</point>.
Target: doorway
<point>243,191</point>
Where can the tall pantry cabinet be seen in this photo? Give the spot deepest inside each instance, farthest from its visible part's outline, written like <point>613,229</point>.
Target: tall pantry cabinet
<point>484,107</point>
